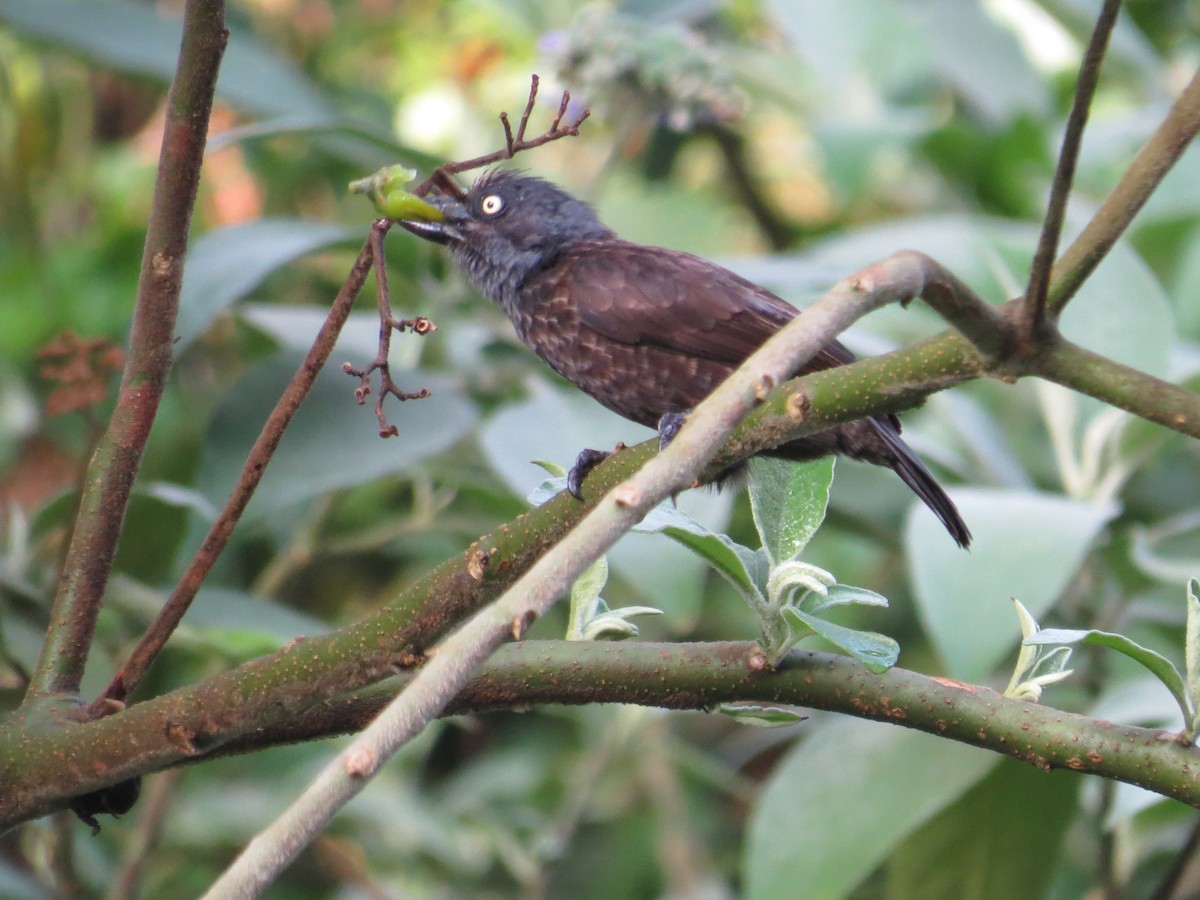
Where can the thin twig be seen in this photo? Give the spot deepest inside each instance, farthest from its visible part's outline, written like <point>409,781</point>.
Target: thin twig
<point>114,465</point>
<point>387,324</point>
<point>533,87</point>
<point>562,111</point>
<point>1064,174</point>
<point>155,636</point>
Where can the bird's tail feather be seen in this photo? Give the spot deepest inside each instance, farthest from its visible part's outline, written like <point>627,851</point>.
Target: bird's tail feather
<point>913,473</point>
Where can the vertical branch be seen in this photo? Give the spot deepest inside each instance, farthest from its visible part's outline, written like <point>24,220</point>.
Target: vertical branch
<point>1140,180</point>
<point>118,455</point>
<point>1064,174</point>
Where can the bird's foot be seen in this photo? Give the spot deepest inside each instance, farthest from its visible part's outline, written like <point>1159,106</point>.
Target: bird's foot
<point>584,463</point>
<point>668,427</point>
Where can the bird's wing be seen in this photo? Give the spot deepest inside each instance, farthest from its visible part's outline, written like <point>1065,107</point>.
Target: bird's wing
<point>665,298</point>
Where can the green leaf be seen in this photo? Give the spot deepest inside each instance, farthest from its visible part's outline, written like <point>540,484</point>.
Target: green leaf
<point>1027,545</point>
<point>1026,812</point>
<point>585,598</point>
<point>877,652</point>
<point>1159,665</point>
<point>667,573</point>
<point>740,565</point>
<point>553,468</point>
<point>840,595</point>
<point>788,501</point>
<point>332,442</point>
<point>760,716</point>
<point>842,800</point>
<point>1192,651</point>
<point>614,625</point>
<point>225,265</point>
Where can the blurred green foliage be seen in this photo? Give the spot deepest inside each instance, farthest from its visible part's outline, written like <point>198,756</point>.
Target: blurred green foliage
<point>796,141</point>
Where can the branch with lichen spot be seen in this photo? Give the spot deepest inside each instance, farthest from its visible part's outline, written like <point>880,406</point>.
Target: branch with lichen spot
<point>700,676</point>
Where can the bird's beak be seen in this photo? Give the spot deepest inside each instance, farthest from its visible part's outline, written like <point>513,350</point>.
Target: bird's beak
<point>447,231</point>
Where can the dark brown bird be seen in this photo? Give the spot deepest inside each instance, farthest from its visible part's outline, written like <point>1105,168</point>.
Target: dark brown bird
<point>646,331</point>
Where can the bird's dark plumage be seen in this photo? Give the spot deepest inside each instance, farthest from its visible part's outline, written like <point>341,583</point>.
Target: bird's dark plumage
<point>644,330</point>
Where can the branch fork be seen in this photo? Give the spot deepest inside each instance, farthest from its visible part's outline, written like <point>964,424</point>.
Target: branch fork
<point>442,177</point>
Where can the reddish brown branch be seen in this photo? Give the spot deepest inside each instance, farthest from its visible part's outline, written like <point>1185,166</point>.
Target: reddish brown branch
<point>118,454</point>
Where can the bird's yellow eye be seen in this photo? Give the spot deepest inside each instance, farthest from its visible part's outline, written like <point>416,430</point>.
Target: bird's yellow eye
<point>491,205</point>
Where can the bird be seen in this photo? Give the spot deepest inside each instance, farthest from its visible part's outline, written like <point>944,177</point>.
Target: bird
<point>646,331</point>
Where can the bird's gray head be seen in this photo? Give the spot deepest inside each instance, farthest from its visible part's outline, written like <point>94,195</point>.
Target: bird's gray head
<point>509,226</point>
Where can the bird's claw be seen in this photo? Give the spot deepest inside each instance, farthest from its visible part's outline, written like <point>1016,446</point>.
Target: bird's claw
<point>668,427</point>
<point>584,463</point>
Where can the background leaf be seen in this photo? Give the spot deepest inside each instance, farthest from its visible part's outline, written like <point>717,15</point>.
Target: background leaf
<point>1027,545</point>
<point>332,442</point>
<point>839,803</point>
<point>225,265</point>
<point>1028,813</point>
